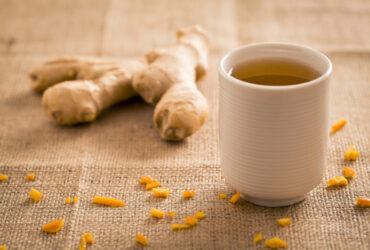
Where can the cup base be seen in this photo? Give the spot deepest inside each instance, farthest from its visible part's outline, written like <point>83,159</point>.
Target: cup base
<point>273,203</point>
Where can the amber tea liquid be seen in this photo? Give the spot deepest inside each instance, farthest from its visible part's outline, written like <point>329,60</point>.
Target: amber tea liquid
<point>273,72</point>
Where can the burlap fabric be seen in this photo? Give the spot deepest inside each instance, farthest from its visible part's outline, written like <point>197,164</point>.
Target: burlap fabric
<point>109,156</point>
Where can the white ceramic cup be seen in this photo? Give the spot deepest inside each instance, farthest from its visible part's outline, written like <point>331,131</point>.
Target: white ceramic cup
<point>273,139</point>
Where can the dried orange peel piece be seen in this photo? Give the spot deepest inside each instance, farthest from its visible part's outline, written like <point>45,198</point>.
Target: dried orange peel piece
<point>338,125</point>
<point>363,202</point>
<point>157,213</point>
<point>348,172</point>
<point>179,226</point>
<point>86,238</point>
<point>339,181</point>
<point>154,184</point>
<point>89,238</point>
<point>257,238</point>
<point>35,195</point>
<point>351,153</point>
<point>30,177</point>
<point>171,214</point>
<point>222,196</point>
<point>82,244</point>
<point>3,177</point>
<point>141,239</point>
<point>53,227</point>
<point>108,201</point>
<point>275,243</point>
<point>188,193</point>
<point>235,198</point>
<point>200,215</point>
<point>146,180</point>
<point>283,222</point>
<point>149,182</point>
<point>191,221</point>
<point>159,192</point>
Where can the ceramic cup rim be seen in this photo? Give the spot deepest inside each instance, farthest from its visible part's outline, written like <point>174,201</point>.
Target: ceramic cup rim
<point>284,45</point>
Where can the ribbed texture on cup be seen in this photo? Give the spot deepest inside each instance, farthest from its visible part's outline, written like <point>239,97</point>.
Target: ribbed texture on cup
<point>273,142</point>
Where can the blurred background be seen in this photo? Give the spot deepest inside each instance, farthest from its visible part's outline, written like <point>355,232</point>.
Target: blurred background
<point>131,28</point>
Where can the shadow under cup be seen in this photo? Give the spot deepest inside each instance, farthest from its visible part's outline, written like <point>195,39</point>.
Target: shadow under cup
<point>273,139</point>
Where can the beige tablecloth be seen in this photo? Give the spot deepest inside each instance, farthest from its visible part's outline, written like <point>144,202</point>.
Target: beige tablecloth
<point>108,157</point>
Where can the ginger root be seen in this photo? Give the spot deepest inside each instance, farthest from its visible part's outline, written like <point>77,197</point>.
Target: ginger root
<point>78,89</point>
<point>169,81</point>
<point>83,87</point>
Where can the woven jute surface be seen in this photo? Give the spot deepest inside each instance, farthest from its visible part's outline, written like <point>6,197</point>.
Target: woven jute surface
<point>108,156</point>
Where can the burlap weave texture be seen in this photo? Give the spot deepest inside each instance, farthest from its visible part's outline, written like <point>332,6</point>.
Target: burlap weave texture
<point>108,157</point>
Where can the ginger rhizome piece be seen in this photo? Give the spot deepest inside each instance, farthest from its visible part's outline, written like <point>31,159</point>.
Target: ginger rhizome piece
<point>3,177</point>
<point>191,221</point>
<point>141,239</point>
<point>284,222</point>
<point>53,227</point>
<point>339,181</point>
<point>35,195</point>
<point>351,153</point>
<point>157,213</point>
<point>169,82</point>
<point>188,193</point>
<point>348,172</point>
<point>159,192</point>
<point>108,201</point>
<point>222,196</point>
<point>200,215</point>
<point>363,202</point>
<point>171,214</point>
<point>75,200</point>
<point>179,226</point>
<point>257,238</point>
<point>79,89</point>
<point>68,200</point>
<point>275,243</point>
<point>86,239</point>
<point>338,125</point>
<point>235,198</point>
<point>30,177</point>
